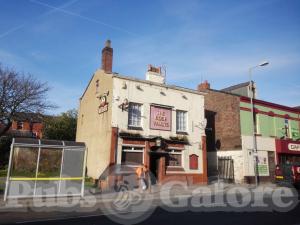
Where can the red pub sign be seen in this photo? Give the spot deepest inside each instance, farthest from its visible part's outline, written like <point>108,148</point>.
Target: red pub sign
<point>160,118</point>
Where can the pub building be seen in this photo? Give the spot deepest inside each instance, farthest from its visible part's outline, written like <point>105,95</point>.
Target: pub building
<point>131,121</point>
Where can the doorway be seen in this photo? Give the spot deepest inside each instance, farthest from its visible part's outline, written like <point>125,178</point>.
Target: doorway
<point>154,167</point>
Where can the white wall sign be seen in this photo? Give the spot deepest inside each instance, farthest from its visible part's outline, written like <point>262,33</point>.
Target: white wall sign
<point>294,147</point>
<point>263,164</point>
<point>103,107</point>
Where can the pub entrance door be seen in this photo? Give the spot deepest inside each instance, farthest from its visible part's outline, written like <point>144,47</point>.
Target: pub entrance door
<point>154,167</point>
<point>157,166</point>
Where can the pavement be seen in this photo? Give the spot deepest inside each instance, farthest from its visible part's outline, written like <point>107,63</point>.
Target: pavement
<point>156,192</point>
<point>94,203</point>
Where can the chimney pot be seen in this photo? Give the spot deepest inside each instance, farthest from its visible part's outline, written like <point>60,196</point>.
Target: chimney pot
<point>107,43</point>
<point>203,86</point>
<point>154,69</point>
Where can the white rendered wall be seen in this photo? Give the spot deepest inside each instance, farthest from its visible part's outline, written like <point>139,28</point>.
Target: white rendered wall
<point>147,94</point>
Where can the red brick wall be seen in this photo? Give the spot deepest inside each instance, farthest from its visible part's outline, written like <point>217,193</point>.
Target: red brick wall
<point>204,157</point>
<point>227,119</point>
<point>189,178</point>
<point>113,145</point>
<point>38,128</point>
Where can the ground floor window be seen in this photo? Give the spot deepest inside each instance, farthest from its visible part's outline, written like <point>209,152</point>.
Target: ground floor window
<point>174,158</point>
<point>284,158</point>
<point>132,155</point>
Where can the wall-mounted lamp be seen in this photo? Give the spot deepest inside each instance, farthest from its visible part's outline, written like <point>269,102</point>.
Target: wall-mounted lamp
<point>162,93</point>
<point>139,87</point>
<point>124,85</point>
<point>158,142</point>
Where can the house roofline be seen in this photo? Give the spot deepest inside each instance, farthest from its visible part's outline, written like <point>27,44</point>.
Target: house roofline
<point>178,88</point>
<point>271,104</point>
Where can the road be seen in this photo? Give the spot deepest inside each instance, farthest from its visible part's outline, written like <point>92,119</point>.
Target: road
<point>161,216</point>
<point>187,210</point>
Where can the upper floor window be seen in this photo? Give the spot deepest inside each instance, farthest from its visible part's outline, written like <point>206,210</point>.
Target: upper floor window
<point>134,115</point>
<point>181,121</point>
<point>286,127</point>
<point>19,125</point>
<point>97,86</point>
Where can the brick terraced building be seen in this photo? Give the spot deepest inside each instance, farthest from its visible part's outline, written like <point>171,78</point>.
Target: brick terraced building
<point>229,134</point>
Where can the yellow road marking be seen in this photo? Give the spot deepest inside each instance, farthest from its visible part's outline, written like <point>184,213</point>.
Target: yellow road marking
<point>44,178</point>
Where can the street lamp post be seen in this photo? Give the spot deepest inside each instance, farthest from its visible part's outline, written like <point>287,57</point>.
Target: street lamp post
<point>255,158</point>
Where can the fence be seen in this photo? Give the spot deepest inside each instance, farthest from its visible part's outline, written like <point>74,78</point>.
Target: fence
<point>45,168</point>
<point>226,169</point>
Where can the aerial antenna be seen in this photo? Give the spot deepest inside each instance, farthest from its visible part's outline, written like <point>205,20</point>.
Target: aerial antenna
<point>164,70</point>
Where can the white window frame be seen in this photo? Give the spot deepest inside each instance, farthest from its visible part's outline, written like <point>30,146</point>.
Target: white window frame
<point>141,117</point>
<point>185,113</point>
<point>133,149</point>
<point>176,152</point>
<point>257,117</point>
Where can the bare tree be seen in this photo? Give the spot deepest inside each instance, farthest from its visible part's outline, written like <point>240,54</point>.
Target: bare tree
<point>20,93</point>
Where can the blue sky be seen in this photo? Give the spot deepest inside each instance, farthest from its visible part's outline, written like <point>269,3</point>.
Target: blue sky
<point>216,40</point>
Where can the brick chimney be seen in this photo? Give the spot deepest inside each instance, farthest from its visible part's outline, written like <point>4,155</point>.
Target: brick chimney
<point>203,86</point>
<point>107,57</point>
<point>155,74</point>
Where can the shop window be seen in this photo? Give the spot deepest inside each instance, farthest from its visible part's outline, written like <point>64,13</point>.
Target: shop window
<point>20,125</point>
<point>134,115</point>
<point>181,121</point>
<point>193,162</point>
<point>174,158</point>
<point>132,155</point>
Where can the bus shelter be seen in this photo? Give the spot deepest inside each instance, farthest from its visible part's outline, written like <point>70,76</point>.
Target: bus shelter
<point>45,168</point>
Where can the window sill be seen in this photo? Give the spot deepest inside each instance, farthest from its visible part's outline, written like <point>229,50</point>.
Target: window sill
<point>134,128</point>
<point>182,132</point>
<point>174,168</point>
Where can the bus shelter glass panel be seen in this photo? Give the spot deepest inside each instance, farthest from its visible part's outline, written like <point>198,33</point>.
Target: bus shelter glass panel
<point>72,171</point>
<point>49,168</point>
<point>24,162</point>
<point>23,171</point>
